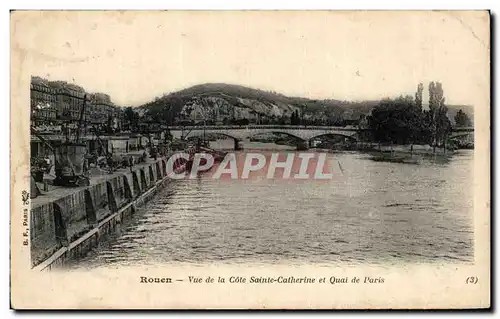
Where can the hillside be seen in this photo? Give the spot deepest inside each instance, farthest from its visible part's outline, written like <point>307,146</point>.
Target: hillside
<point>230,101</point>
<point>453,110</point>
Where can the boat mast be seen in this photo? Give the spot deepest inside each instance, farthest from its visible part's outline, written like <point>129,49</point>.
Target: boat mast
<point>80,120</point>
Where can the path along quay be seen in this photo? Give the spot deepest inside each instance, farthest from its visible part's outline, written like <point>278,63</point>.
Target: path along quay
<point>66,223</point>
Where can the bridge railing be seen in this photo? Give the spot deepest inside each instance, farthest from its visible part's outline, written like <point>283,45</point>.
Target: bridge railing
<point>287,127</point>
<point>245,127</point>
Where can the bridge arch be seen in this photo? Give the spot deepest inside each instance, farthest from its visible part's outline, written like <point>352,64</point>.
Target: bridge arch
<point>254,134</point>
<point>235,139</point>
<point>300,142</point>
<point>350,137</point>
<point>200,134</point>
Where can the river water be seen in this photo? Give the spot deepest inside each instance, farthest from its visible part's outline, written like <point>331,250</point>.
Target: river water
<point>371,213</point>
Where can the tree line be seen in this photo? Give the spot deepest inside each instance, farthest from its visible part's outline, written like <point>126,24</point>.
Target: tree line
<point>404,121</point>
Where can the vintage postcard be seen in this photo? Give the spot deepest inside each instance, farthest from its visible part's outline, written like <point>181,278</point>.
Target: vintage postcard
<point>250,159</point>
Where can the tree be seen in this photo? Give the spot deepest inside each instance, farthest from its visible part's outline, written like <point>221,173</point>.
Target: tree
<point>243,121</point>
<point>396,121</point>
<point>418,96</point>
<point>131,118</point>
<point>282,120</point>
<point>462,119</point>
<point>301,115</point>
<point>294,119</point>
<point>440,123</point>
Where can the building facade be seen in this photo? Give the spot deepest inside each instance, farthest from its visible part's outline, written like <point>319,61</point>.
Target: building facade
<point>54,103</point>
<point>43,100</point>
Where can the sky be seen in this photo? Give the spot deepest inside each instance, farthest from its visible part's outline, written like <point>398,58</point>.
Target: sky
<point>137,56</point>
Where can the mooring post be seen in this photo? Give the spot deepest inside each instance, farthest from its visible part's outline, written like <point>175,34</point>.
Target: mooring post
<point>113,207</point>
<point>90,210</point>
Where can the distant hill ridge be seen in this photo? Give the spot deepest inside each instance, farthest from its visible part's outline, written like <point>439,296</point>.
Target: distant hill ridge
<point>266,103</point>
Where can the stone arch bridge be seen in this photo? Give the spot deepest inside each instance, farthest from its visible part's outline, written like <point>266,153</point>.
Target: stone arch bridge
<point>462,135</point>
<point>303,133</point>
<point>242,133</point>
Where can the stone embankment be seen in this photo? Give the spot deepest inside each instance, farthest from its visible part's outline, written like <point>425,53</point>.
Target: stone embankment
<point>66,223</point>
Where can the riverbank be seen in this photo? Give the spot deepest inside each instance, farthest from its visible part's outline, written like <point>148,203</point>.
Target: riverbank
<point>68,222</point>
<point>406,154</point>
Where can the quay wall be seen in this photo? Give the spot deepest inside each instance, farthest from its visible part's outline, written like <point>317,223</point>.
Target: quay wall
<point>71,225</point>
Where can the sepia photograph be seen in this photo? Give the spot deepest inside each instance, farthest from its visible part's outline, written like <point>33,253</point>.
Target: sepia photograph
<point>281,156</point>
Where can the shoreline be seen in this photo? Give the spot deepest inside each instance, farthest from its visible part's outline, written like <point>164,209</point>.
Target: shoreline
<point>395,150</point>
